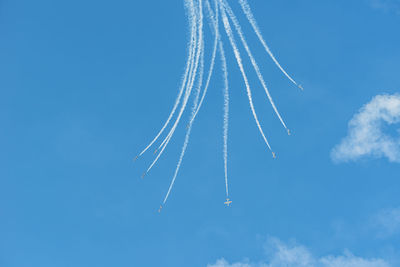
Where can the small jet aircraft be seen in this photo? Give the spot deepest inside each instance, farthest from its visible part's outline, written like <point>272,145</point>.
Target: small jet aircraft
<point>274,155</point>
<point>288,132</point>
<point>159,210</point>
<point>301,87</point>
<point>228,202</point>
<point>143,175</point>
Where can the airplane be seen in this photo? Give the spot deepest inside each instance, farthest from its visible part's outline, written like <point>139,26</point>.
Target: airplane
<point>143,175</point>
<point>135,159</point>
<point>159,210</point>
<point>301,87</point>
<point>288,132</point>
<point>274,155</point>
<point>228,202</point>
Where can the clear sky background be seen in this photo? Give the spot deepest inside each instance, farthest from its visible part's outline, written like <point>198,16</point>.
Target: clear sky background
<point>84,85</point>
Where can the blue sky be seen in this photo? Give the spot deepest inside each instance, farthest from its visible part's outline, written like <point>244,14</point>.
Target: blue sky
<point>84,85</point>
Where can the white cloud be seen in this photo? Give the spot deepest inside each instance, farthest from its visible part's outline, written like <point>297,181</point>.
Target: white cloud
<point>366,136</point>
<point>223,263</point>
<point>386,5</point>
<point>284,255</point>
<point>349,260</point>
<point>388,222</point>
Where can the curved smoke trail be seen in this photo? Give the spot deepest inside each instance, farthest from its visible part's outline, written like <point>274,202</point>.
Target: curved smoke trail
<point>253,22</point>
<point>228,31</point>
<point>214,53</point>
<point>195,107</point>
<point>190,86</point>
<point>253,61</point>
<point>189,63</point>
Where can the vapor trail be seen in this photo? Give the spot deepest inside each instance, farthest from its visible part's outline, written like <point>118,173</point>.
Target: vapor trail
<point>185,76</point>
<point>228,31</point>
<point>194,109</point>
<point>190,6</point>
<point>189,82</point>
<point>186,142</point>
<point>253,61</point>
<point>211,64</point>
<point>249,14</point>
<point>192,76</point>
<point>226,113</point>
<point>215,23</point>
<point>190,85</point>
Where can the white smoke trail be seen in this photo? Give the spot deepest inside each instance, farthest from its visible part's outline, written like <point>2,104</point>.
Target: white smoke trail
<point>186,142</point>
<point>252,59</point>
<point>226,114</point>
<point>228,31</point>
<point>196,105</point>
<point>167,139</point>
<point>190,85</point>
<point>190,5</point>
<point>190,80</point>
<point>161,147</point>
<point>214,53</point>
<point>215,23</point>
<point>249,14</point>
<point>191,51</point>
<point>192,76</point>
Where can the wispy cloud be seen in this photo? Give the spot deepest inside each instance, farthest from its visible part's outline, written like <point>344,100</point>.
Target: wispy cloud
<point>366,136</point>
<point>386,5</point>
<point>388,222</point>
<point>293,255</point>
